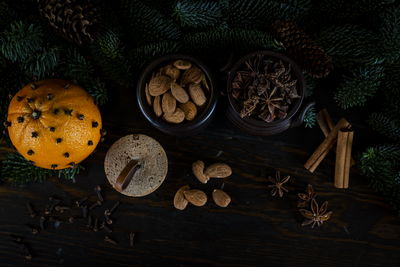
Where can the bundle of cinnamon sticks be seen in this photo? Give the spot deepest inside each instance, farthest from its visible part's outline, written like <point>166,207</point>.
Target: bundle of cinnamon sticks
<point>342,135</point>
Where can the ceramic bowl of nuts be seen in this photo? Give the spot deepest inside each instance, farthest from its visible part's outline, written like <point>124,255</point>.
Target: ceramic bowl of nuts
<point>266,92</point>
<point>176,94</point>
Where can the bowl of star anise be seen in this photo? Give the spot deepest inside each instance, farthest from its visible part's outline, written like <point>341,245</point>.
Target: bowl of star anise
<point>266,92</point>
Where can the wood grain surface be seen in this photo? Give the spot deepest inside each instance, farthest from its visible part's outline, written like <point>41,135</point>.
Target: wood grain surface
<point>256,229</point>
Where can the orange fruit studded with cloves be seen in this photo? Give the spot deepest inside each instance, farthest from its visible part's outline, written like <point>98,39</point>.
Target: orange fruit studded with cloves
<point>54,124</point>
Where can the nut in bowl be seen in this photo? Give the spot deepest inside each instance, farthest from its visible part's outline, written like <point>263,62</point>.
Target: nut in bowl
<point>176,94</point>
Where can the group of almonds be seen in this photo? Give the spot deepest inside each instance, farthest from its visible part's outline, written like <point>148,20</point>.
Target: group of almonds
<point>198,198</point>
<point>176,91</point>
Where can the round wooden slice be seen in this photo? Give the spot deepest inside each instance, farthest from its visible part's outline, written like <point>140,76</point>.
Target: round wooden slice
<point>149,154</point>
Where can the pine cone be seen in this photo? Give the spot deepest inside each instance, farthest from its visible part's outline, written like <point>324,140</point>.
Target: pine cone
<point>75,20</point>
<point>299,46</point>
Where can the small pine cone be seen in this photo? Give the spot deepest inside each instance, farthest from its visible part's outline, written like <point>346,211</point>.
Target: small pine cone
<point>299,46</point>
<point>75,20</point>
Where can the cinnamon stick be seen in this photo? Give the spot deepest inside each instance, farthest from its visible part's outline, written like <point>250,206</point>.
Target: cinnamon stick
<point>348,161</point>
<point>325,122</point>
<point>323,149</point>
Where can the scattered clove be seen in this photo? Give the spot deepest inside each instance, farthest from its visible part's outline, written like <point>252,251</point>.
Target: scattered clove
<point>108,219</point>
<point>110,240</point>
<point>89,222</point>
<point>104,226</point>
<point>71,219</point>
<point>34,230</point>
<point>131,238</point>
<point>16,238</point>
<point>79,203</point>
<point>84,209</point>
<point>97,189</point>
<point>42,222</point>
<point>109,212</point>
<point>31,211</point>
<point>95,205</point>
<point>61,209</point>
<point>26,251</point>
<point>96,225</point>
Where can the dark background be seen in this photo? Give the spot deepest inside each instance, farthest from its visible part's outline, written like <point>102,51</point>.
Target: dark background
<point>256,229</point>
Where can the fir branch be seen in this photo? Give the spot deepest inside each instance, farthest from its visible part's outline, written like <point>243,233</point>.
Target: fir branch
<point>385,126</point>
<point>18,171</point>
<point>148,23</point>
<point>382,165</point>
<point>198,13</point>
<point>310,118</point>
<point>390,31</point>
<point>20,41</point>
<point>108,52</point>
<point>311,84</point>
<point>42,63</point>
<point>356,90</point>
<point>141,55</point>
<point>77,67</point>
<point>236,39</point>
<point>294,9</point>
<point>97,89</point>
<point>349,45</point>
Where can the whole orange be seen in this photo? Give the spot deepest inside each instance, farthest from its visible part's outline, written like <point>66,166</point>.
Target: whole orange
<point>55,124</point>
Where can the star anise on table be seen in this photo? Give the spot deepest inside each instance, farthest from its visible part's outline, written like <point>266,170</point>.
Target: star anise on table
<point>305,198</point>
<point>317,215</point>
<point>278,182</point>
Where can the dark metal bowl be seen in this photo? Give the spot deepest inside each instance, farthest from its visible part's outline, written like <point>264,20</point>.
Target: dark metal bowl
<point>204,115</point>
<point>254,126</point>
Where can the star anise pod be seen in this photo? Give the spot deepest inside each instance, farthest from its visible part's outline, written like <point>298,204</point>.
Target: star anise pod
<point>305,198</point>
<point>317,215</point>
<point>278,182</point>
<point>249,106</point>
<point>271,101</point>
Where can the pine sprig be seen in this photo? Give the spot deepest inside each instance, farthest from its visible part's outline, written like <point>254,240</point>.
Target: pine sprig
<point>42,63</point>
<point>18,171</point>
<point>20,41</point>
<point>108,52</point>
<point>77,67</point>
<point>390,31</point>
<point>385,126</point>
<point>356,90</point>
<point>198,13</point>
<point>97,89</point>
<point>236,39</point>
<point>349,45</point>
<point>310,118</point>
<point>148,23</point>
<point>143,54</point>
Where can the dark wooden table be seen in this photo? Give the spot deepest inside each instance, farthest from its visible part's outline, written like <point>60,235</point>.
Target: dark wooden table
<point>256,229</point>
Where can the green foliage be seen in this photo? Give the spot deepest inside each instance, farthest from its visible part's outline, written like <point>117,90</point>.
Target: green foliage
<point>385,126</point>
<point>311,84</point>
<point>225,39</point>
<point>97,89</point>
<point>20,41</point>
<point>356,90</point>
<point>42,63</point>
<point>108,52</point>
<point>77,67</point>
<point>349,45</point>
<point>143,54</point>
<point>390,31</point>
<point>198,13</point>
<point>146,24</point>
<point>382,165</point>
<point>310,118</point>
<point>260,13</point>
<point>18,171</point>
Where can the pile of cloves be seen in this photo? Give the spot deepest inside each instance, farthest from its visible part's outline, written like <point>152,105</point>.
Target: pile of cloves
<point>55,213</point>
